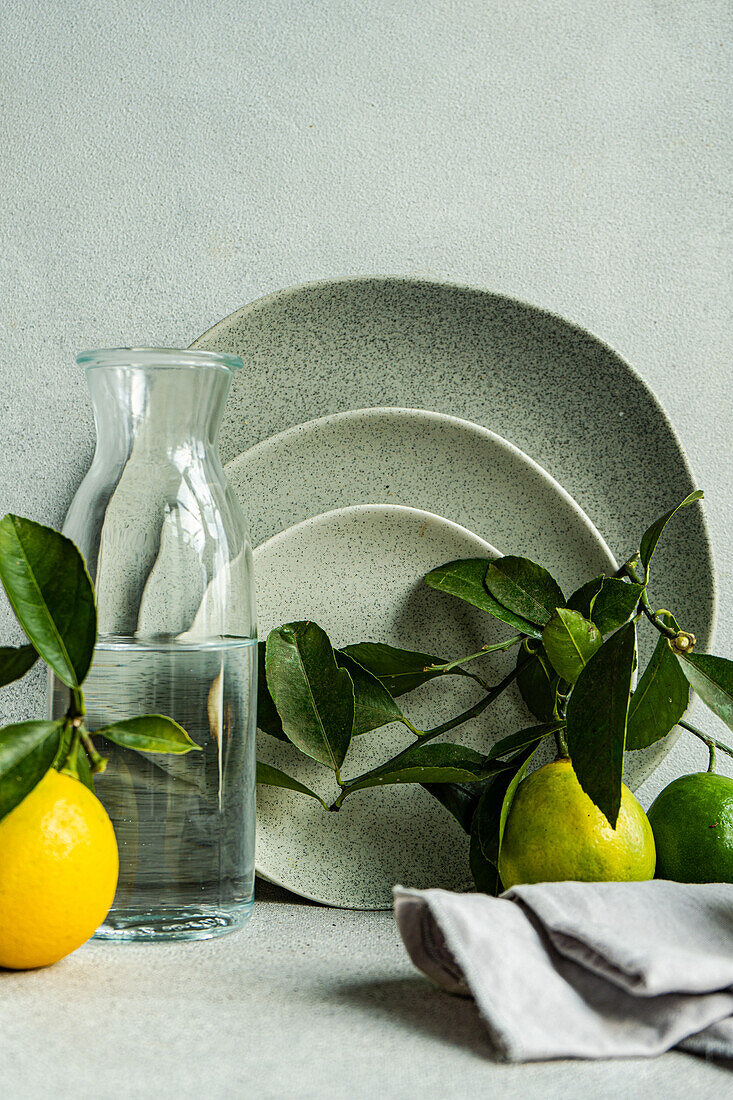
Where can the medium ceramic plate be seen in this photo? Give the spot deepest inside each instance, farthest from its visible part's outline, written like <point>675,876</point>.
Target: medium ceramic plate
<point>554,390</point>
<point>358,573</point>
<point>435,462</point>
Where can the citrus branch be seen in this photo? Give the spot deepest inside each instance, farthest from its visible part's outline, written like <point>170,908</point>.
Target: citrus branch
<point>706,738</point>
<point>429,735</point>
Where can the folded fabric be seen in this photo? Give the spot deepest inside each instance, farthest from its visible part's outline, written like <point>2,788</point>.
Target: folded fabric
<point>583,970</point>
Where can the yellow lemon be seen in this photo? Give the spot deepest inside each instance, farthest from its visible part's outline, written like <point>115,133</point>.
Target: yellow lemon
<point>58,872</point>
<point>554,832</point>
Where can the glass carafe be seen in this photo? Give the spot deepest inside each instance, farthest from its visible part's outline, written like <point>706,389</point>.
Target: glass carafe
<point>165,542</point>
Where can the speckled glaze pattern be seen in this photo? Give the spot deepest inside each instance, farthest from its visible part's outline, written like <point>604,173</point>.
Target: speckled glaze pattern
<point>358,572</point>
<point>424,460</point>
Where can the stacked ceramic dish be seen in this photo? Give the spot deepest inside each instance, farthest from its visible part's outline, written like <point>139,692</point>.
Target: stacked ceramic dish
<point>359,440</point>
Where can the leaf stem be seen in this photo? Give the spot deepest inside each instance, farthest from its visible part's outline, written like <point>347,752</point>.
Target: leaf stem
<point>628,569</point>
<point>493,648</point>
<point>336,806</point>
<point>77,707</point>
<point>476,709</point>
<point>706,738</point>
<point>655,620</point>
<point>684,641</point>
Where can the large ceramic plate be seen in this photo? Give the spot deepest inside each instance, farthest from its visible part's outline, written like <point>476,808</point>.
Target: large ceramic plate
<point>358,573</point>
<point>554,390</point>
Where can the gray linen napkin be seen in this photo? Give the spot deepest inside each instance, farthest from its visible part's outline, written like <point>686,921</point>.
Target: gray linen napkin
<point>583,970</point>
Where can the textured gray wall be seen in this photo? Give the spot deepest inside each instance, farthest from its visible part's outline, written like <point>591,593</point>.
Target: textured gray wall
<point>164,163</point>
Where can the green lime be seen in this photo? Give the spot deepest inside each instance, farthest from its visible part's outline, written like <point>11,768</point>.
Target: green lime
<point>692,820</point>
<point>554,832</point>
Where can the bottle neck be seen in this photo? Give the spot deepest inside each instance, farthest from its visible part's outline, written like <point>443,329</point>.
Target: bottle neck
<point>165,412</point>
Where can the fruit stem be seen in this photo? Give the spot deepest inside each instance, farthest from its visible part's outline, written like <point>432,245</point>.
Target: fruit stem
<point>561,742</point>
<point>706,738</point>
<point>98,763</point>
<point>711,751</point>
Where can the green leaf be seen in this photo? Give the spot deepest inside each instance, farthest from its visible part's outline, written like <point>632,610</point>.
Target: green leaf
<point>459,799</point>
<point>537,684</point>
<point>712,679</point>
<point>374,707</point>
<point>509,796</point>
<point>51,594</point>
<point>399,670</point>
<point>596,720</point>
<point>83,769</point>
<point>570,641</point>
<point>149,733</point>
<point>524,587</point>
<point>273,777</point>
<point>609,602</point>
<point>14,663</point>
<point>465,580</point>
<point>63,746</point>
<point>661,697</point>
<point>268,720</point>
<point>584,598</point>
<point>522,739</point>
<point>313,696</point>
<point>485,875</point>
<point>27,751</point>
<point>615,604</point>
<point>651,536</point>
<point>431,763</point>
<point>489,809</point>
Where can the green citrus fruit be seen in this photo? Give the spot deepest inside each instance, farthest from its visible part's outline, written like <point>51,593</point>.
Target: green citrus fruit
<point>692,820</point>
<point>554,832</point>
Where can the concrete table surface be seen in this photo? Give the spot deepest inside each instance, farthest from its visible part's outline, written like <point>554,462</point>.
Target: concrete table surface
<point>305,1002</point>
<point>166,162</point>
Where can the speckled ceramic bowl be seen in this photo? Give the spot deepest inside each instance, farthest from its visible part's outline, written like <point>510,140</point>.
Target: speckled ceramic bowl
<point>358,573</point>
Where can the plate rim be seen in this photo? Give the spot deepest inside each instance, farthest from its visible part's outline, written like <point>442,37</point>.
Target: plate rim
<point>376,506</point>
<point>479,430</point>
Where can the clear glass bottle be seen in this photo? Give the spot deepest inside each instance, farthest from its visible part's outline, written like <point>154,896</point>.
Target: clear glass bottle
<point>165,542</point>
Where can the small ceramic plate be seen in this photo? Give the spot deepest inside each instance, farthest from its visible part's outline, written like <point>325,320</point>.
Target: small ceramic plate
<point>358,573</point>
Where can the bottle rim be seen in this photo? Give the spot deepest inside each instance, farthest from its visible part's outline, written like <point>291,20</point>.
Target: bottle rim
<point>157,358</point>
